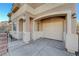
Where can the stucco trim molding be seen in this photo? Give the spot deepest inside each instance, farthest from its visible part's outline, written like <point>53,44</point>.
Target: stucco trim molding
<point>52,14</point>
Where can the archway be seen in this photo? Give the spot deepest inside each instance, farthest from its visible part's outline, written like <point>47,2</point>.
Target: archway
<point>21,25</point>
<point>21,28</point>
<point>53,26</point>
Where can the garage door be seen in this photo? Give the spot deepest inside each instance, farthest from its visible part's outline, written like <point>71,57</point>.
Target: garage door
<point>53,28</point>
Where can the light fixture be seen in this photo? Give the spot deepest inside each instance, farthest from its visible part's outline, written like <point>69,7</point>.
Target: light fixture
<point>74,15</point>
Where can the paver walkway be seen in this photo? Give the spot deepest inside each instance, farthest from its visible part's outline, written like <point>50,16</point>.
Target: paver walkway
<point>40,47</point>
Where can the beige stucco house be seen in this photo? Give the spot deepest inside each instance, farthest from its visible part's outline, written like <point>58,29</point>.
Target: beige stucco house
<point>56,21</point>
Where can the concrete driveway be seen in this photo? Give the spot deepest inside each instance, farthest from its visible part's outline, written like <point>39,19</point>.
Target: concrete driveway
<point>40,47</point>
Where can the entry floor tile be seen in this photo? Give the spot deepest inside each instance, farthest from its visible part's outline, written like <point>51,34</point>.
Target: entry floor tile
<point>40,47</point>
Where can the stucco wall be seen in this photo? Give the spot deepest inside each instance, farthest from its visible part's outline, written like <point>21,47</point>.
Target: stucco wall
<point>63,7</point>
<point>70,24</point>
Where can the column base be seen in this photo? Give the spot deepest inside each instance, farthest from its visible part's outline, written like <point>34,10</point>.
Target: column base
<point>71,42</point>
<point>37,35</point>
<point>15,34</point>
<point>26,37</point>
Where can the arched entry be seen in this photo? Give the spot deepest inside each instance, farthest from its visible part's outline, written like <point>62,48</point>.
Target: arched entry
<point>21,25</point>
<point>21,28</point>
<point>52,27</point>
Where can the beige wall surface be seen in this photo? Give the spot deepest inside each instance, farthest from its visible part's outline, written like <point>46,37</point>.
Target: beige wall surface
<point>64,7</point>
<point>44,9</point>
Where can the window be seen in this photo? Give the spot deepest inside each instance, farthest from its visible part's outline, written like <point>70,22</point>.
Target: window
<point>14,26</point>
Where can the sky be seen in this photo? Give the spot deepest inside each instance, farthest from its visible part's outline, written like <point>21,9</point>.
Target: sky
<point>77,11</point>
<point>5,8</point>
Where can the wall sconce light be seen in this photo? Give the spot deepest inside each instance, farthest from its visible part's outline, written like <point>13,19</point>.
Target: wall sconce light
<point>74,15</point>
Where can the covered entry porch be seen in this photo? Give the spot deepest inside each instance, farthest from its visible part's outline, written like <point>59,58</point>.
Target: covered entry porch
<point>57,26</point>
<point>51,27</point>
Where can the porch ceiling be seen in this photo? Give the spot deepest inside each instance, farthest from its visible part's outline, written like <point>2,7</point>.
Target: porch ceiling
<point>35,5</point>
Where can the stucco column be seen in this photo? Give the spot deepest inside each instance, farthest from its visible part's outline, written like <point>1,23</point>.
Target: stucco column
<point>69,22</point>
<point>17,25</point>
<point>74,27</point>
<point>71,42</point>
<point>35,32</point>
<point>11,32</point>
<point>12,26</point>
<point>34,26</point>
<point>26,32</point>
<point>17,29</point>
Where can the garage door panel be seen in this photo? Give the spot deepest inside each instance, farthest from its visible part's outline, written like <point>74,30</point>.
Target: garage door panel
<point>53,29</point>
